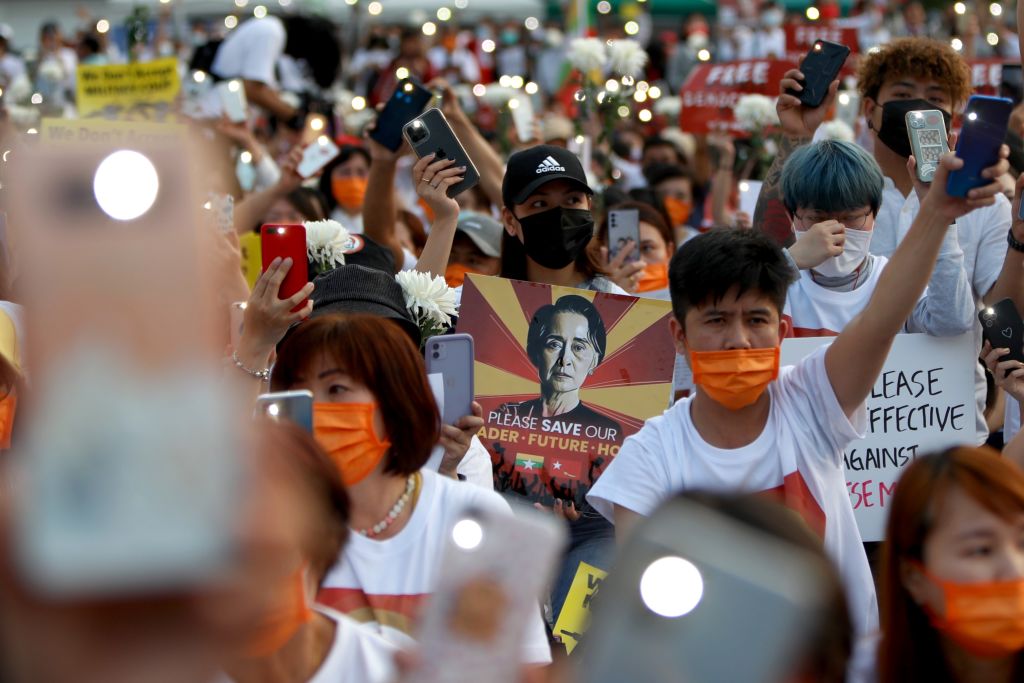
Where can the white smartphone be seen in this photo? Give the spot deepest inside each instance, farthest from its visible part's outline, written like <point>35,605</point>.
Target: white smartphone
<point>451,356</point>
<point>296,406</point>
<point>195,95</point>
<point>316,155</point>
<point>237,322</point>
<point>623,228</point>
<point>232,100</point>
<point>689,585</point>
<point>521,107</point>
<point>927,131</point>
<point>494,571</point>
<point>750,190</point>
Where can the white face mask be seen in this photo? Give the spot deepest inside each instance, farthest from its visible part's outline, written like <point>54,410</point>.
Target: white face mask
<point>855,250</point>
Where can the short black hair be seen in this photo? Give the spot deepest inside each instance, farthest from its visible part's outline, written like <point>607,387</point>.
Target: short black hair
<point>709,265</point>
<point>658,141</point>
<point>315,41</point>
<point>540,326</point>
<point>659,173</point>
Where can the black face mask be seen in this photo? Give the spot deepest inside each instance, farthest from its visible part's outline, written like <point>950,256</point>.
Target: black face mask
<point>556,237</point>
<point>893,132</point>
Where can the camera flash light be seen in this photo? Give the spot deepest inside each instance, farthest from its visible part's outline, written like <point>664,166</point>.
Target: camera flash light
<point>273,410</point>
<point>671,587</point>
<point>467,534</point>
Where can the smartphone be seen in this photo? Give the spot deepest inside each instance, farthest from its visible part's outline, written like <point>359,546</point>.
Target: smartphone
<point>984,129</point>
<point>689,584</point>
<point>232,100</point>
<point>316,126</point>
<point>495,568</point>
<point>521,107</point>
<point>623,227</point>
<point>195,92</point>
<point>296,406</point>
<point>237,321</point>
<point>820,67</point>
<point>316,155</point>
<point>130,478</point>
<point>927,131</point>
<point>750,190</point>
<point>286,241</point>
<point>1002,327</point>
<point>451,356</point>
<point>431,134</point>
<point>405,104</point>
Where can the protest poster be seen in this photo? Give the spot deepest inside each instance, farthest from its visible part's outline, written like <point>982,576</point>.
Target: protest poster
<point>574,619</point>
<point>922,401</point>
<point>563,376</point>
<point>987,75</point>
<point>103,132</point>
<point>131,91</point>
<point>712,90</point>
<point>801,37</point>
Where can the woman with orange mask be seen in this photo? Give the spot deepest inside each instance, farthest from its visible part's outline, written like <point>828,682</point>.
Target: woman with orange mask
<point>375,415</point>
<point>673,186</point>
<point>304,519</point>
<point>952,584</point>
<point>343,183</point>
<point>654,252</point>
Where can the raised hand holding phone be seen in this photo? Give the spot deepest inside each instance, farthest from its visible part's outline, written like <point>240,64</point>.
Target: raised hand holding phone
<point>433,179</point>
<point>796,118</point>
<point>981,146</point>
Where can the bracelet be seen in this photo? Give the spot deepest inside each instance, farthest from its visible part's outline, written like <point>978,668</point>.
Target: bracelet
<point>1014,244</point>
<point>262,375</point>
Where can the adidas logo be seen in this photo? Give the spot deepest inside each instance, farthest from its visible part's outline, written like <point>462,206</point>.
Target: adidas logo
<point>549,165</point>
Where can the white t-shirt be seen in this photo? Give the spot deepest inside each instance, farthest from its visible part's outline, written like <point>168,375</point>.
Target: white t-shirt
<point>475,466</point>
<point>357,654</point>
<point>797,457</point>
<point>817,311</point>
<point>251,51</point>
<point>385,584</point>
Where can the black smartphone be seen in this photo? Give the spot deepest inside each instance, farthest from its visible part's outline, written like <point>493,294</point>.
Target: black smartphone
<point>408,100</point>
<point>1003,328</point>
<point>985,122</point>
<point>431,134</point>
<point>820,67</point>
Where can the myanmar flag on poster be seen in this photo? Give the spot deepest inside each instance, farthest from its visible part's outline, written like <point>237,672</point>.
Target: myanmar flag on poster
<point>529,463</point>
<point>564,467</point>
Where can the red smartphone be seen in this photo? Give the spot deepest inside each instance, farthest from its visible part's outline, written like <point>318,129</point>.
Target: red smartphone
<point>286,241</point>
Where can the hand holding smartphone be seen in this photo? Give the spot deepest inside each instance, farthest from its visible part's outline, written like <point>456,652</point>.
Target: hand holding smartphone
<point>286,241</point>
<point>981,137</point>
<point>451,355</point>
<point>431,134</point>
<point>405,104</point>
<point>1002,328</point>
<point>232,99</point>
<point>623,228</point>
<point>820,67</point>
<point>927,131</point>
<point>316,155</point>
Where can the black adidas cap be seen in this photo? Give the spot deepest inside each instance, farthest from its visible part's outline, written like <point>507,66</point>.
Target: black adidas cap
<point>530,168</point>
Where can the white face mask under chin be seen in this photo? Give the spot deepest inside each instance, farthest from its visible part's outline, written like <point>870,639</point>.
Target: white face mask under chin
<point>855,251</point>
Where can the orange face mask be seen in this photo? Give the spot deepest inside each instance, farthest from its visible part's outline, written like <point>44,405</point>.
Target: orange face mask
<point>456,274</point>
<point>8,404</point>
<point>986,619</point>
<point>283,618</point>
<point>678,211</point>
<point>735,378</point>
<point>345,431</point>
<point>653,277</point>
<point>350,192</point>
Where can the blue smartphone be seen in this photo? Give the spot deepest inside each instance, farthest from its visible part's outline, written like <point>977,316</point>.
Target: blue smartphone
<point>982,134</point>
<point>406,103</point>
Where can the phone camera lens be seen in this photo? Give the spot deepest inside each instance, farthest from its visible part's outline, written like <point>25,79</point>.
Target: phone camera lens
<point>417,131</point>
<point>436,355</point>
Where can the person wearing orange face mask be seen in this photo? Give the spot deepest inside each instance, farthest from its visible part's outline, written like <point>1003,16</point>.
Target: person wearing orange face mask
<point>376,417</point>
<point>343,183</point>
<point>673,185</point>
<point>476,248</point>
<point>753,426</point>
<point>294,639</point>
<point>952,575</point>
<point>655,249</point>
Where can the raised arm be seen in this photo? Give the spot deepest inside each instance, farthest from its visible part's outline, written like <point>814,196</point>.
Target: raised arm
<point>857,355</point>
<point>486,160</point>
<point>432,180</point>
<point>252,208</point>
<point>798,125</point>
<point>380,210</point>
<point>1010,283</point>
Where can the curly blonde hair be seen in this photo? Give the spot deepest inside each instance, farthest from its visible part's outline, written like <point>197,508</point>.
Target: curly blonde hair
<point>915,57</point>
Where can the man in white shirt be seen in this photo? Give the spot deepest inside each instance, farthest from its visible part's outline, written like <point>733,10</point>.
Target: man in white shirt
<point>911,74</point>
<point>750,427</point>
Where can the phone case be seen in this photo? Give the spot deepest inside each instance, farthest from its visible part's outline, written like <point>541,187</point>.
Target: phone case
<point>984,128</point>
<point>452,356</point>
<point>820,67</point>
<point>296,406</point>
<point>232,99</point>
<point>623,225</point>
<point>286,241</point>
<point>523,117</point>
<point>1003,328</point>
<point>405,104</point>
<point>316,155</point>
<point>927,131</point>
<point>493,573</point>
<point>430,133</point>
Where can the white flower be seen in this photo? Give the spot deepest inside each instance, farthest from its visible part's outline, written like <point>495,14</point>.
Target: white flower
<point>627,58</point>
<point>52,71</point>
<point>669,105</point>
<point>19,90</point>
<point>755,112</point>
<point>498,95</point>
<point>587,54</point>
<point>326,243</point>
<point>430,301</point>
<point>834,130</point>
<point>358,120</point>
<point>23,117</point>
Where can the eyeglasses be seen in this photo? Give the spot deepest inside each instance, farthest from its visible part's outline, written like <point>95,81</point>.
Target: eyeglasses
<point>850,222</point>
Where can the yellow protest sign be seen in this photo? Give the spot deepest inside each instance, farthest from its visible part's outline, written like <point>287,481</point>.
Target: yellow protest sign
<point>127,90</point>
<point>101,131</point>
<point>574,618</point>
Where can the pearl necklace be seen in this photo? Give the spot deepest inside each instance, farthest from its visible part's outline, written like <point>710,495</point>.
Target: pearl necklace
<point>396,511</point>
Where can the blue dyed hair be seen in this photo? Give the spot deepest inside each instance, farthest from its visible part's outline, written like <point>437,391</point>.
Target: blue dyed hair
<point>831,176</point>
